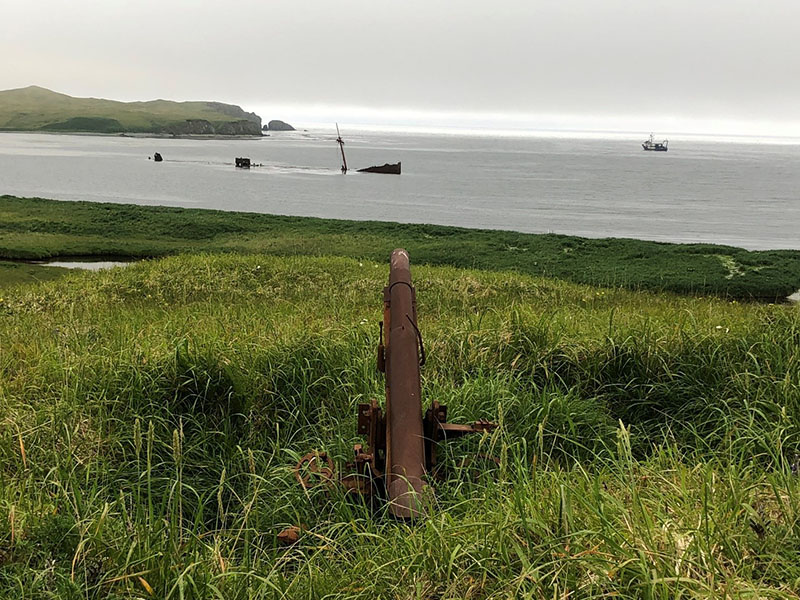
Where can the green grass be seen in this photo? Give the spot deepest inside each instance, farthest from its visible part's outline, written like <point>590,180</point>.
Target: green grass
<point>37,228</point>
<point>151,415</point>
<point>13,273</point>
<point>38,109</point>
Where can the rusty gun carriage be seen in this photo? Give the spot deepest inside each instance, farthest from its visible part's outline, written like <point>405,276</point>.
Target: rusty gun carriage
<point>401,448</point>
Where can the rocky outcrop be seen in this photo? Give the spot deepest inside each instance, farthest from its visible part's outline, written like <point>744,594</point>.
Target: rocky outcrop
<point>276,125</point>
<point>192,127</point>
<point>203,127</point>
<point>240,128</point>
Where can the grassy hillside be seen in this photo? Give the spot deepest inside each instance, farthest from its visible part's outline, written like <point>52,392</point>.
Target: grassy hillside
<point>36,228</point>
<point>34,108</point>
<point>150,417</point>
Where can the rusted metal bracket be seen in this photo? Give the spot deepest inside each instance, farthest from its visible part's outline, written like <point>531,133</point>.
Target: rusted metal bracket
<point>314,465</point>
<point>437,429</point>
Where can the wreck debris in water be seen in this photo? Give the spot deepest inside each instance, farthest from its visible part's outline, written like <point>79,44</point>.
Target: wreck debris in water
<point>386,168</point>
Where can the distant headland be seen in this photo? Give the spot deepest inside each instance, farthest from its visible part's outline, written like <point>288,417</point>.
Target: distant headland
<point>36,108</point>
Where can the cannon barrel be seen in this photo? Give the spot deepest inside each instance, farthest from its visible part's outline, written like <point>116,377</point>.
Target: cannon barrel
<point>401,443</point>
<point>405,448</point>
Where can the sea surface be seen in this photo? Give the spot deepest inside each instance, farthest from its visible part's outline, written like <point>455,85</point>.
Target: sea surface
<point>717,191</point>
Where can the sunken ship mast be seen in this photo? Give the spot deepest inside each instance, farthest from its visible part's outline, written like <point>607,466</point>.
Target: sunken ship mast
<point>340,141</point>
<point>387,168</point>
<point>654,146</point>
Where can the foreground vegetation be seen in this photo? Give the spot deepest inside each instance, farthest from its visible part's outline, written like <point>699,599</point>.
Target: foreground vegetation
<point>38,109</point>
<point>36,228</point>
<point>151,415</point>
<point>12,273</point>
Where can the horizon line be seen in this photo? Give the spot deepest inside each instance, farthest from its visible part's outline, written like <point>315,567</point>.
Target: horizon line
<point>519,124</point>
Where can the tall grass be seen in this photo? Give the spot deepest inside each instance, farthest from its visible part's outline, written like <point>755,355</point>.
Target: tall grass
<point>648,445</point>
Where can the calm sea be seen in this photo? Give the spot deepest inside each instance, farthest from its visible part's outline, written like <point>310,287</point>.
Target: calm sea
<point>721,192</point>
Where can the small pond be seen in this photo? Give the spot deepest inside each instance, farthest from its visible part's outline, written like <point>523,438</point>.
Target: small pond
<point>88,265</point>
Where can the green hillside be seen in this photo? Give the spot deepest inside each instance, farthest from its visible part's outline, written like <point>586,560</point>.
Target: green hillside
<point>38,109</point>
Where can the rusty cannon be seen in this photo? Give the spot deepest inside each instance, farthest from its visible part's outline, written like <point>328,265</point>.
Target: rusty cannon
<point>401,447</point>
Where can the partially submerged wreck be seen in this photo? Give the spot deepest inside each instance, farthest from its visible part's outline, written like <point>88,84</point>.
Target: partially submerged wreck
<point>246,163</point>
<point>386,168</point>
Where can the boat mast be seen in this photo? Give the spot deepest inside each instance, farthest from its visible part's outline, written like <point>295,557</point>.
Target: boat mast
<point>340,141</point>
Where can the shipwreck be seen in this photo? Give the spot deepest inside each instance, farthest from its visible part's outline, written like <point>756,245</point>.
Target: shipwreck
<point>386,168</point>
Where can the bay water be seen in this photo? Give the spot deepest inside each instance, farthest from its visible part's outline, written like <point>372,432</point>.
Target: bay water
<point>738,193</point>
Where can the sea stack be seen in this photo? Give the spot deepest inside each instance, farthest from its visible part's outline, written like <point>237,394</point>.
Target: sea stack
<point>276,125</point>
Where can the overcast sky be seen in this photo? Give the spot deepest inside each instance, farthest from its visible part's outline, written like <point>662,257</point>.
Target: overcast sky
<point>721,66</point>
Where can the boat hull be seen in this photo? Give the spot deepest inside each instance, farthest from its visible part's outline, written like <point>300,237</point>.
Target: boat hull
<point>387,169</point>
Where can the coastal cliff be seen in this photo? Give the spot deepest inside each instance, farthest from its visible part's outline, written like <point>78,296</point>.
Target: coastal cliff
<point>38,109</point>
<point>204,127</point>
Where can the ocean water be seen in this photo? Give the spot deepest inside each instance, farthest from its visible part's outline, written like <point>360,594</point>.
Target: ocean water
<point>723,192</point>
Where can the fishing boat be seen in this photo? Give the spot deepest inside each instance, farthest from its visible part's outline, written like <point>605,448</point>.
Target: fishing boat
<point>654,146</point>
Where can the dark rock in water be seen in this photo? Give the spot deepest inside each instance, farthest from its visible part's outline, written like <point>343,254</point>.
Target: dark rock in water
<point>242,163</point>
<point>157,157</point>
<point>386,168</point>
<point>276,125</point>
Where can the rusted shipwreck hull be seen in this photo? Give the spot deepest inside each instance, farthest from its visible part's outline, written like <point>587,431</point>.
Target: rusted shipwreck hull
<point>389,169</point>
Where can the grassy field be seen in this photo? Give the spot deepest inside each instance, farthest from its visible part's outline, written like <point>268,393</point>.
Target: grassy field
<point>37,228</point>
<point>39,109</point>
<point>151,415</point>
<point>13,273</point>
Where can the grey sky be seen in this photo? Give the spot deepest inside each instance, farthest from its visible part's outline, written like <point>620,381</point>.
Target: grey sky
<point>591,63</point>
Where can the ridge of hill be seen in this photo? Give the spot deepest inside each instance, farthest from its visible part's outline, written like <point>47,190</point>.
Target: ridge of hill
<point>35,108</point>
